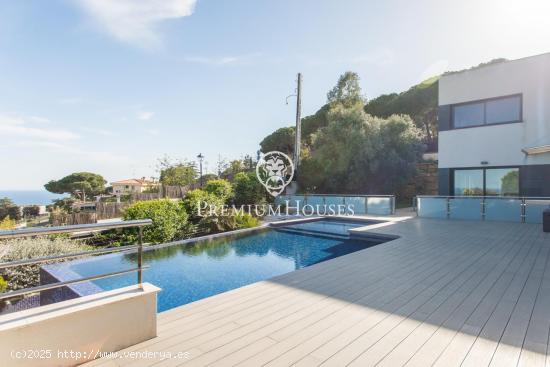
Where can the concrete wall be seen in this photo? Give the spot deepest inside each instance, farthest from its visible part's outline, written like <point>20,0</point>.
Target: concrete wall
<point>105,322</point>
<point>499,145</point>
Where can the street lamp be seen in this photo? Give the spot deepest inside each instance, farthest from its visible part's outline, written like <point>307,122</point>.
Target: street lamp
<point>201,158</point>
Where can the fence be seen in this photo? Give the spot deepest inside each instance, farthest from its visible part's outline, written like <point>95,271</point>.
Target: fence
<point>490,208</point>
<point>362,204</point>
<point>62,219</point>
<point>109,210</point>
<point>164,191</point>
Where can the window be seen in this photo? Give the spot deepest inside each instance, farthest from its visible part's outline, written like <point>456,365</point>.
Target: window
<point>486,181</point>
<point>502,182</point>
<point>469,182</point>
<point>503,110</point>
<point>469,115</point>
<point>491,111</point>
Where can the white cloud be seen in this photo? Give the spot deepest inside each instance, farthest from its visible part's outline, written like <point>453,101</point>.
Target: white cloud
<point>212,60</point>
<point>223,60</point>
<point>134,21</point>
<point>145,115</point>
<point>25,127</point>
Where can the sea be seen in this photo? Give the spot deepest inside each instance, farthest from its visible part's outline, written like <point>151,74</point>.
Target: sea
<point>30,197</point>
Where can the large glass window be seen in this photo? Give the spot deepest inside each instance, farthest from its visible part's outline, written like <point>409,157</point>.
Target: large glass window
<point>468,182</point>
<point>486,112</point>
<point>486,181</point>
<point>503,110</point>
<point>469,115</point>
<point>502,181</point>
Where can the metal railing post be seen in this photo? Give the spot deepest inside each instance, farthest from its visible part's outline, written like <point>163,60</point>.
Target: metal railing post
<point>366,204</point>
<point>523,210</point>
<point>140,259</point>
<point>483,210</point>
<point>448,207</point>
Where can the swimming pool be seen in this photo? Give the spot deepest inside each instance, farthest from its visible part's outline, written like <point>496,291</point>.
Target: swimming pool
<point>190,272</point>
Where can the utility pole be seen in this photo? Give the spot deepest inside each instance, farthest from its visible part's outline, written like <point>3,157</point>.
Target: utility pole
<point>297,143</point>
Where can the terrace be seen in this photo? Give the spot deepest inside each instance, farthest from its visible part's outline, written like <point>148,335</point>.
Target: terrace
<point>444,293</point>
<point>436,291</point>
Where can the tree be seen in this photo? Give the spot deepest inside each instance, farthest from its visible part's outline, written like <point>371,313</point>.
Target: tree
<point>179,174</point>
<point>419,102</point>
<point>248,190</point>
<point>220,188</point>
<point>9,209</point>
<point>209,177</point>
<point>347,91</point>
<point>31,211</point>
<point>169,219</point>
<point>234,167</point>
<point>281,140</point>
<point>92,184</point>
<point>510,184</point>
<point>358,153</point>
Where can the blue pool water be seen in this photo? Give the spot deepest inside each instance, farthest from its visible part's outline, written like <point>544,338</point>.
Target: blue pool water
<point>190,272</point>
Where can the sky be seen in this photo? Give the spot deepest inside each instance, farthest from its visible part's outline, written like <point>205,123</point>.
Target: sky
<point>110,86</point>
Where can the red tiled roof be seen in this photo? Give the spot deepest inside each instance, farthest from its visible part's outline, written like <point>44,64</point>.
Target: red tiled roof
<point>133,181</point>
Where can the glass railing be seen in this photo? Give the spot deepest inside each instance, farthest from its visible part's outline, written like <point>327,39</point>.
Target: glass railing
<point>488,208</point>
<point>362,204</point>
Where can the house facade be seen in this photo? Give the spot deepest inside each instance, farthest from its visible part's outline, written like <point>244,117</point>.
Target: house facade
<point>133,185</point>
<point>494,129</point>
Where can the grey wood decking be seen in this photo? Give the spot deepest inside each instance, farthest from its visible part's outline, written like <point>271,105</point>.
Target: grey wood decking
<point>446,293</point>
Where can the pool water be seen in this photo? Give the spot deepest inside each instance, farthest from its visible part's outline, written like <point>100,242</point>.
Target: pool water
<point>190,272</point>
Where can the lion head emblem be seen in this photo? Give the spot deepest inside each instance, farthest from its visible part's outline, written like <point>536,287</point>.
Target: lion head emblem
<point>275,171</point>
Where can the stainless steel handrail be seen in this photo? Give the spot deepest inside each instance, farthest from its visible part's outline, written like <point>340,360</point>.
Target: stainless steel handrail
<point>483,197</point>
<point>30,232</point>
<point>344,196</point>
<point>46,287</point>
<point>11,264</point>
<point>44,231</point>
<point>524,202</point>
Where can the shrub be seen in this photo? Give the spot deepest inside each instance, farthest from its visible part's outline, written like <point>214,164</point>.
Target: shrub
<point>248,190</point>
<point>28,248</point>
<point>169,219</point>
<point>3,285</point>
<point>199,197</point>
<point>215,224</point>
<point>246,221</point>
<point>7,223</point>
<point>220,188</point>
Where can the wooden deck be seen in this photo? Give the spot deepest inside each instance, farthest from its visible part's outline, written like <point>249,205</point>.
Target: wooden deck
<point>446,293</point>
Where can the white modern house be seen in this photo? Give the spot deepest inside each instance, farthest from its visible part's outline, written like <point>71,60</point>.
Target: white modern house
<point>494,124</point>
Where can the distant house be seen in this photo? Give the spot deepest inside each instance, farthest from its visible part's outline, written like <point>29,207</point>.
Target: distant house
<point>133,185</point>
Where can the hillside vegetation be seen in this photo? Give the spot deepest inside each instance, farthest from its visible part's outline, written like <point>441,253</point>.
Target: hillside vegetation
<point>351,145</point>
